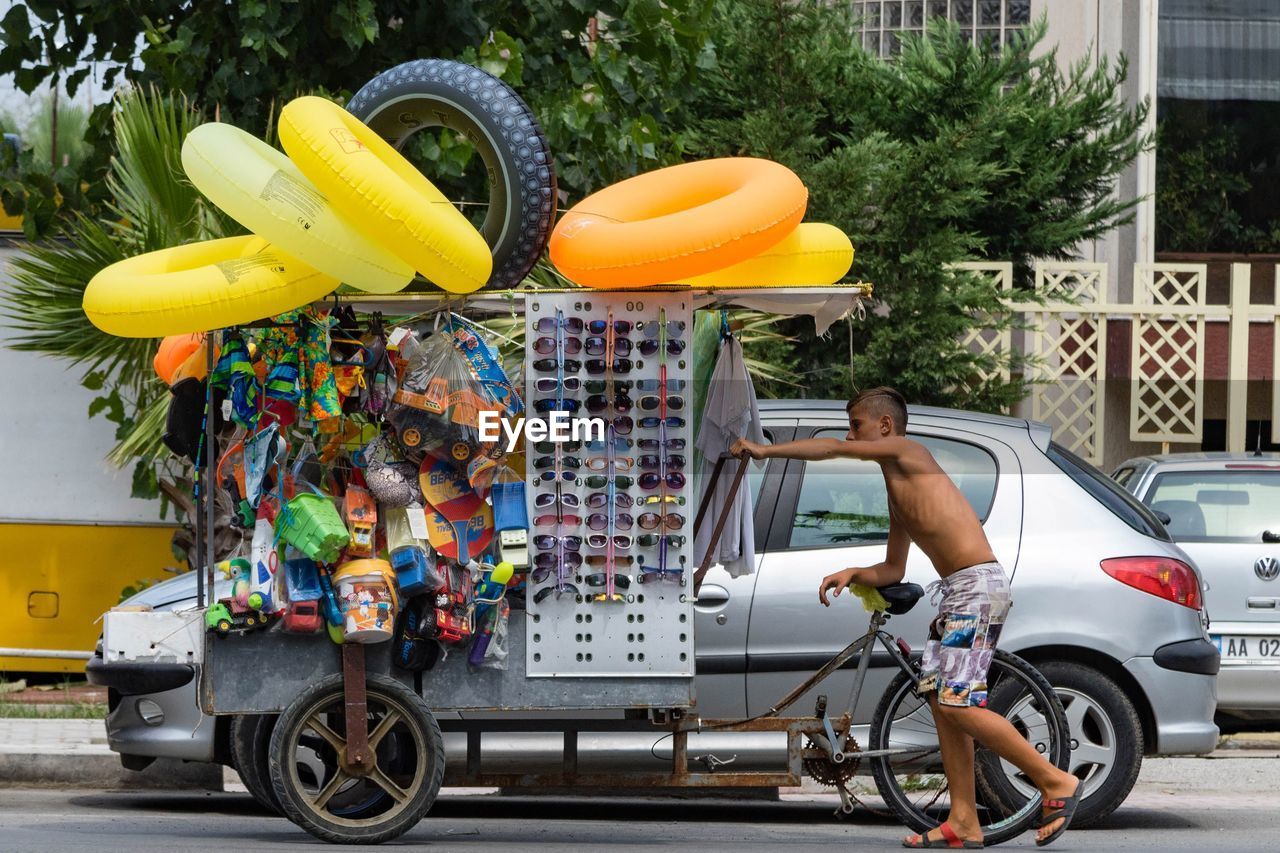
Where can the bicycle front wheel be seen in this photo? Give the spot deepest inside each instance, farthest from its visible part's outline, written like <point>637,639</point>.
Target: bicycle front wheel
<point>912,783</point>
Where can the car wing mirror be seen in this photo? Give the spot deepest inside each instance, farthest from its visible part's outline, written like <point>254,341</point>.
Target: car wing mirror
<point>1268,536</point>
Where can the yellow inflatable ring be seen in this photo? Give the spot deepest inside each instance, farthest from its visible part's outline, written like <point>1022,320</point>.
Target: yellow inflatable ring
<point>383,195</point>
<point>815,253</point>
<point>678,222</point>
<point>200,286</point>
<point>260,188</point>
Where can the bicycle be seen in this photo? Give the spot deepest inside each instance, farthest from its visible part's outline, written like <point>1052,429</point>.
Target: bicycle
<point>903,748</point>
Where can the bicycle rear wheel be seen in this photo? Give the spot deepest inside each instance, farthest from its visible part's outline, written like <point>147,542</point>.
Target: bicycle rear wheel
<point>913,785</point>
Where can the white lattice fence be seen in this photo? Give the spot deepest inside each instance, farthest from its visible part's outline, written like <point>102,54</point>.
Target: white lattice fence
<point>1167,350</point>
<point>1068,349</point>
<point>987,338</point>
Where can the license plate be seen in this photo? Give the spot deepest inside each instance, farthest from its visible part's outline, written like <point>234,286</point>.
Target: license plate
<point>1238,649</point>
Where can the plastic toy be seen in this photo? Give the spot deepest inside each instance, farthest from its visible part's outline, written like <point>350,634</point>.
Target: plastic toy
<point>489,593</point>
<point>303,617</point>
<point>362,515</point>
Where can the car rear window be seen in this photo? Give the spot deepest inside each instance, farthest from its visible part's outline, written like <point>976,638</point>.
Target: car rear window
<point>1122,504</point>
<point>1208,506</point>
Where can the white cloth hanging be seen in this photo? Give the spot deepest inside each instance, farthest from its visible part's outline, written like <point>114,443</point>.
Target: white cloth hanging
<point>730,413</point>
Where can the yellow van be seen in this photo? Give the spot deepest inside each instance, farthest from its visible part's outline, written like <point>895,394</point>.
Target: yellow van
<point>71,537</point>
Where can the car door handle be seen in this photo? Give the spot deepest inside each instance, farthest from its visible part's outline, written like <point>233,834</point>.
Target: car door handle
<point>711,597</point>
<point>1263,603</point>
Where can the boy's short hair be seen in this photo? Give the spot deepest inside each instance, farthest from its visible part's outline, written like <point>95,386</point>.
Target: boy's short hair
<point>883,400</point>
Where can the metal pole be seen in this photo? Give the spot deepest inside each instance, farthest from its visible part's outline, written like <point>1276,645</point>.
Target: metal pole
<point>209,488</point>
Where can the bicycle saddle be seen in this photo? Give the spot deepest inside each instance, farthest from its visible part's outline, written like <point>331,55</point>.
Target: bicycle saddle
<point>901,596</point>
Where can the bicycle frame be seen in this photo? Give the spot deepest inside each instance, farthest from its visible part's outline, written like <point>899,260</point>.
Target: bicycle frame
<point>831,743</point>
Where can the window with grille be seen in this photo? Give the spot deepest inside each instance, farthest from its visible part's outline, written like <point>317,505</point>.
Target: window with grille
<point>992,22</point>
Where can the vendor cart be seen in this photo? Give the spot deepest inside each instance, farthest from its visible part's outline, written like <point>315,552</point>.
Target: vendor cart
<point>357,755</point>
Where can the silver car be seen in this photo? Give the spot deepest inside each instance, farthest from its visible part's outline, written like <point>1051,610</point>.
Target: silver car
<point>1105,604</point>
<point>1224,510</point>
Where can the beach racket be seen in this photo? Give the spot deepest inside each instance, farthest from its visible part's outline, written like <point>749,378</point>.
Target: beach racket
<point>447,492</point>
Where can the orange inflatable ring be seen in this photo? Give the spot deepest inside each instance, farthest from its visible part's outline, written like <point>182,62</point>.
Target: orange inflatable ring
<point>675,223</point>
<point>174,350</point>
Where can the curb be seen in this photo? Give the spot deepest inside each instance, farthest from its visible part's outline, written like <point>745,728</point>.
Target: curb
<point>105,771</point>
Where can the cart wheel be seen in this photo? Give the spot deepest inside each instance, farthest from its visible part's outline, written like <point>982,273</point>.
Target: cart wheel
<point>335,801</point>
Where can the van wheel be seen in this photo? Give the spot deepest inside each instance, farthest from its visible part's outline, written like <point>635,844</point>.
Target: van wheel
<point>1106,740</point>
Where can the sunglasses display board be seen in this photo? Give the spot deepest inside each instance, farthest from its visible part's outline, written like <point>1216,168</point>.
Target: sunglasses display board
<point>610,546</point>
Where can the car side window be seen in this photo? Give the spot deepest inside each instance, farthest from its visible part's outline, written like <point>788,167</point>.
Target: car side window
<point>1208,506</point>
<point>844,502</point>
<point>1123,475</point>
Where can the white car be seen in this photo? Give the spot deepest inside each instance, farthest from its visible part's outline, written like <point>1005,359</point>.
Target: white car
<point>1224,510</point>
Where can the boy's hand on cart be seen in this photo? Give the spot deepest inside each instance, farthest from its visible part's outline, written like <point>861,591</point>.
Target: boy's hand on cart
<point>836,583</point>
<point>748,449</point>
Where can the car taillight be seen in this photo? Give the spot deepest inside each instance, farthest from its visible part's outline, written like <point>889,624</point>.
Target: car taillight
<point>1165,577</point>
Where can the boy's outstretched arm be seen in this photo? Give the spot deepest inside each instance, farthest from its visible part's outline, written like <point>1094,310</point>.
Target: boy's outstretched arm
<point>892,570</point>
<point>818,449</point>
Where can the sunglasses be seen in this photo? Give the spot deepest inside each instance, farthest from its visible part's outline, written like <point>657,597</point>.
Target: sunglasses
<point>547,365</point>
<point>600,521</point>
<point>550,476</point>
<point>548,543</point>
<point>544,563</point>
<point>547,325</point>
<point>650,423</point>
<point>657,444</point>
<point>547,500</point>
<point>648,540</point>
<point>649,500</point>
<point>651,402</point>
<point>620,581</point>
<point>598,403</point>
<point>674,480</point>
<point>653,386</point>
<point>649,346</point>
<point>600,500</point>
<point>559,590</point>
<point>599,386</point>
<point>654,462</point>
<point>652,521</point>
<point>601,463</point>
<point>623,424</point>
<point>552,405</point>
<point>546,346</point>
<point>550,446</point>
<point>549,520</point>
<point>675,328</point>
<point>597,481</point>
<point>621,542</point>
<point>550,461</point>
<point>599,327</point>
<point>599,365</point>
<point>600,346</point>
<point>603,560</point>
<point>650,575</point>
<point>550,383</point>
<point>602,444</point>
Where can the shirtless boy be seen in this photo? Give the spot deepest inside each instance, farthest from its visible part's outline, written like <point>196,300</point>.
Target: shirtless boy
<point>926,508</point>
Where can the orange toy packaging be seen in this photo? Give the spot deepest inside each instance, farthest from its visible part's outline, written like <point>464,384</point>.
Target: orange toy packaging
<point>361,514</point>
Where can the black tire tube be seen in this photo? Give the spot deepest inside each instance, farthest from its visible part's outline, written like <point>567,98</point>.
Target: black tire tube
<point>881,773</point>
<point>418,714</point>
<point>1100,802</point>
<point>250,735</point>
<point>522,179</point>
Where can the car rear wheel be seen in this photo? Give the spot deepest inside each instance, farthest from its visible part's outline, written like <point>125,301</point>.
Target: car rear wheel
<point>250,736</point>
<point>1106,739</point>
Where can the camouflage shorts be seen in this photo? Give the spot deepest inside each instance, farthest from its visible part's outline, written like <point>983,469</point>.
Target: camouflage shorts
<point>962,639</point>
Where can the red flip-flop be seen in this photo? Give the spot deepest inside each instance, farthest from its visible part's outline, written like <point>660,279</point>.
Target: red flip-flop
<point>949,840</point>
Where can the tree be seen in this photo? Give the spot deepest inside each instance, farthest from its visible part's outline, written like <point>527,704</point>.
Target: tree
<point>603,76</point>
<point>949,152</point>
